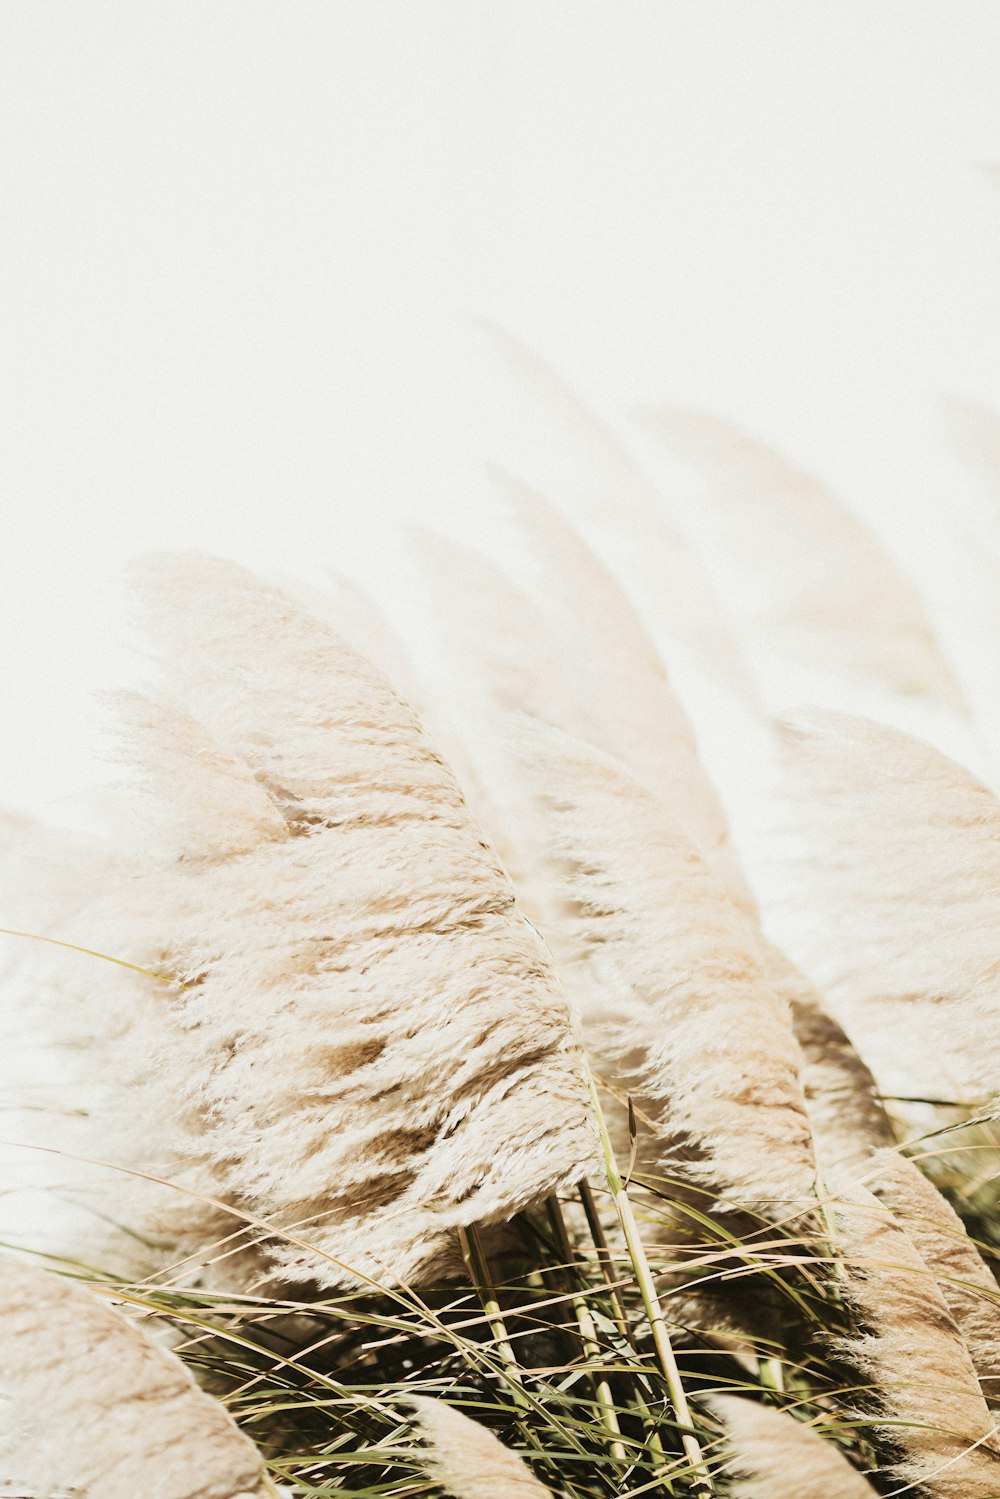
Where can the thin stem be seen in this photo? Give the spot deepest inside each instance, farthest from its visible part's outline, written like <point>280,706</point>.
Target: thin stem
<point>620,1317</point>
<point>472,1248</point>
<point>702,1487</point>
<point>588,1337</point>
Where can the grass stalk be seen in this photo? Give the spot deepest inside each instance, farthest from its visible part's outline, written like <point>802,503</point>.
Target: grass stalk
<point>472,1248</point>
<point>702,1486</point>
<point>588,1338</point>
<point>620,1318</point>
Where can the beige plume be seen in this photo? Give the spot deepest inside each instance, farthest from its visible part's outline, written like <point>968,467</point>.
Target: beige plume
<point>582,661</point>
<point>91,1407</point>
<point>847,1118</point>
<point>778,1457</point>
<point>968,1286</point>
<point>671,977</point>
<point>466,1459</point>
<point>619,681</point>
<point>929,1402</point>
<point>890,899</point>
<point>807,576</point>
<point>600,481</point>
<point>363,1041</point>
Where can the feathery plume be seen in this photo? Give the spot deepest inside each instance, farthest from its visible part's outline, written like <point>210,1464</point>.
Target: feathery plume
<point>92,1407</point>
<point>583,662</point>
<point>930,1405</point>
<point>599,479</point>
<point>466,1459</point>
<point>968,1286</point>
<point>670,977</point>
<point>847,1118</point>
<point>365,1042</point>
<point>619,681</point>
<point>891,901</point>
<point>814,579</point>
<point>778,1457</point>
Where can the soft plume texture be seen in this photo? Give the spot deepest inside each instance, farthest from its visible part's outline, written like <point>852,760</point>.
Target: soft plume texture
<point>929,1402</point>
<point>889,897</point>
<point>671,977</point>
<point>966,1283</point>
<point>625,704</point>
<point>847,1118</point>
<point>90,1407</point>
<point>583,463</point>
<point>807,576</point>
<point>467,1460</point>
<point>777,1457</point>
<point>573,653</point>
<point>363,1042</point>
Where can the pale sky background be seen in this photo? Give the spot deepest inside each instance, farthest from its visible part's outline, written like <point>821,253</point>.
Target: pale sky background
<point>246,248</point>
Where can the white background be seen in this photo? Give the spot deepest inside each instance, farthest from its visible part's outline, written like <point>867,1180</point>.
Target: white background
<point>245,249</point>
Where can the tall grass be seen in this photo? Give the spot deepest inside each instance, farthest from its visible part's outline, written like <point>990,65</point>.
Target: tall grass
<point>395,1144</point>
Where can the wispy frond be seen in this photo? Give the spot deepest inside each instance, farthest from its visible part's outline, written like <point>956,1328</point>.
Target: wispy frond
<point>92,1407</point>
<point>671,977</point>
<point>847,1117</point>
<point>777,1457</point>
<point>467,1460</point>
<point>598,479</point>
<point>808,576</point>
<point>890,899</point>
<point>928,1401</point>
<point>363,1041</point>
<point>968,1286</point>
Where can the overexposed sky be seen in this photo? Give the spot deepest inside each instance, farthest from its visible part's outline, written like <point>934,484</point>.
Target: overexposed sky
<point>246,248</point>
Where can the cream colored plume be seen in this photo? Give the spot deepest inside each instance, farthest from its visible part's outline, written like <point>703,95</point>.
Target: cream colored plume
<point>627,706</point>
<point>588,666</point>
<point>848,1120</point>
<point>929,1404</point>
<point>777,1457</point>
<point>889,897</point>
<point>969,549</point>
<point>362,1041</point>
<point>968,1286</point>
<point>467,1460</point>
<point>581,661</point>
<point>90,1407</point>
<point>806,575</point>
<point>584,464</point>
<point>671,978</point>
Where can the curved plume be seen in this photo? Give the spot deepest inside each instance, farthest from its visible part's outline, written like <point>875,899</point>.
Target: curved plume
<point>601,480</point>
<point>92,1407</point>
<point>671,977</point>
<point>467,1460</point>
<point>969,1288</point>
<point>777,1457</point>
<point>583,663</point>
<point>929,1403</point>
<point>974,604</point>
<point>815,582</point>
<point>619,678</point>
<point>892,901</point>
<point>847,1118</point>
<point>398,1059</point>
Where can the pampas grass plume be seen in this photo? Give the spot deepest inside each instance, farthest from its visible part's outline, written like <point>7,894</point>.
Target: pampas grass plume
<point>467,1460</point>
<point>91,1407</point>
<point>777,1457</point>
<point>929,1401</point>
<point>365,1043</point>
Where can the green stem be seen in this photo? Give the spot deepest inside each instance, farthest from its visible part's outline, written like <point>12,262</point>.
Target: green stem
<point>588,1337</point>
<point>472,1248</point>
<point>620,1317</point>
<point>702,1488</point>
